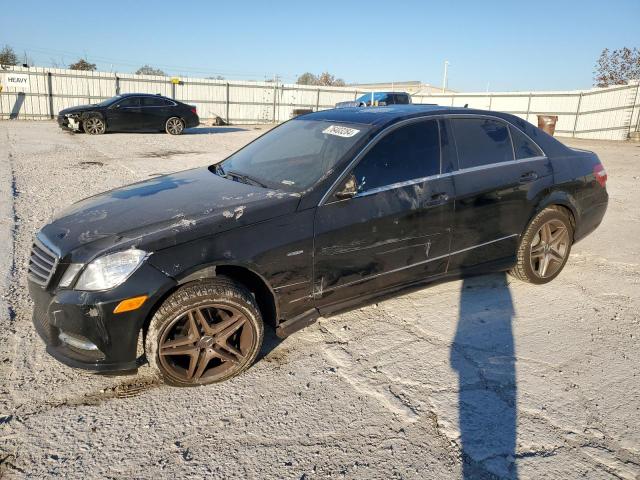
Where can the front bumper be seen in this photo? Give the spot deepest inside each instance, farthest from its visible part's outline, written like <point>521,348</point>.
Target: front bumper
<point>67,123</point>
<point>93,337</point>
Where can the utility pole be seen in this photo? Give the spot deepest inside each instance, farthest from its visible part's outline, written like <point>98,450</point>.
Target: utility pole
<point>444,78</point>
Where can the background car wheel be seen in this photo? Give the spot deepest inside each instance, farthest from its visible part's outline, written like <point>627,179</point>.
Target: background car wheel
<point>94,125</point>
<point>545,247</point>
<point>205,332</point>
<point>174,126</point>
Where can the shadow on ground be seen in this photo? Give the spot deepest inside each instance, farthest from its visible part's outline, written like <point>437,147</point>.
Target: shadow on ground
<point>203,130</point>
<point>483,354</point>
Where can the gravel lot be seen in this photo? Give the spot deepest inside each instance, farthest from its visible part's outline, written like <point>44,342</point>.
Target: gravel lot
<point>484,378</point>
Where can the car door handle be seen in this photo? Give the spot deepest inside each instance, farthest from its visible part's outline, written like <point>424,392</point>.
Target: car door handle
<point>528,177</point>
<point>437,199</point>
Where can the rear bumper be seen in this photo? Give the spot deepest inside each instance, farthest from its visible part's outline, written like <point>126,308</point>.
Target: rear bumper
<point>192,121</point>
<point>80,329</point>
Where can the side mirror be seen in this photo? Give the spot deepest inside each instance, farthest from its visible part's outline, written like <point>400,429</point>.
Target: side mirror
<point>349,189</point>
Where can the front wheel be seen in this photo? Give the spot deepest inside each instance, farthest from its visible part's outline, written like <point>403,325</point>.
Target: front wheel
<point>205,332</point>
<point>94,125</point>
<point>545,247</point>
<point>174,126</point>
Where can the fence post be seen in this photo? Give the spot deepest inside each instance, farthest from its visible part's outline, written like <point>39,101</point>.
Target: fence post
<point>318,101</point>
<point>117,85</point>
<point>50,88</point>
<point>528,106</point>
<point>633,111</point>
<point>275,93</point>
<point>173,90</point>
<point>490,100</point>
<point>575,122</point>
<point>228,104</point>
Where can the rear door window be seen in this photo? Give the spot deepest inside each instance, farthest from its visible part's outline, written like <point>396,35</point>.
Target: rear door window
<point>130,102</point>
<point>152,102</point>
<point>407,153</point>
<point>481,141</point>
<point>523,146</point>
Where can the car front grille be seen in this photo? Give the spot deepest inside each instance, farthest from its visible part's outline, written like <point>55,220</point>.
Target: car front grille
<point>42,264</point>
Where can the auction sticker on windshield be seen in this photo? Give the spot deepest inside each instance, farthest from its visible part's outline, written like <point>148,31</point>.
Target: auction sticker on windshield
<point>340,131</point>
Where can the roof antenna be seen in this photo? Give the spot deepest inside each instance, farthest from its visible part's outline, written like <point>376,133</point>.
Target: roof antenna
<point>465,105</point>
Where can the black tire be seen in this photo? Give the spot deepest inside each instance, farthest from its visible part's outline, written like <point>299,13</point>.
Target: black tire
<point>174,126</point>
<point>94,125</point>
<point>534,250</point>
<point>192,303</point>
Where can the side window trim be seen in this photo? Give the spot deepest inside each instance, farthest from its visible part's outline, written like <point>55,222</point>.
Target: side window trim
<point>130,106</point>
<point>326,198</point>
<point>509,126</point>
<point>544,155</point>
<point>442,117</point>
<point>507,122</point>
<point>380,137</point>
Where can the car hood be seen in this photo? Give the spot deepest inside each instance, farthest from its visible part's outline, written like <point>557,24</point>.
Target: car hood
<point>161,212</point>
<point>77,109</point>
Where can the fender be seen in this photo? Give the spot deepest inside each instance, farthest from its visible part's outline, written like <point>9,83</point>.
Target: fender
<point>211,270</point>
<point>559,197</point>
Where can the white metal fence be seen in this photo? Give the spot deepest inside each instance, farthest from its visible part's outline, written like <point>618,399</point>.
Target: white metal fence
<point>603,113</point>
<point>610,113</point>
<point>50,90</point>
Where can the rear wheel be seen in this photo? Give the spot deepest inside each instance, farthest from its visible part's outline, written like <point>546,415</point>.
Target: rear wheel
<point>94,125</point>
<point>206,332</point>
<point>174,126</point>
<point>545,247</point>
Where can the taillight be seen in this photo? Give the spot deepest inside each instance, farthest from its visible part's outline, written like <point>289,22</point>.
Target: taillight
<point>194,111</point>
<point>601,174</point>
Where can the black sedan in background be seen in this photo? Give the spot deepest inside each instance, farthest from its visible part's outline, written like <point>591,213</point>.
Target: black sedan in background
<point>326,212</point>
<point>132,112</point>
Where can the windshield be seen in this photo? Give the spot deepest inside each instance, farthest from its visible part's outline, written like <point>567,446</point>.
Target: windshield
<point>109,101</point>
<point>295,155</point>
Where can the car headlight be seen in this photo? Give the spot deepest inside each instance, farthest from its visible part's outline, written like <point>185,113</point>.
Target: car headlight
<point>110,270</point>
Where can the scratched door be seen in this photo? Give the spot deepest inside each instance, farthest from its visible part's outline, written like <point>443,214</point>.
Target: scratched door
<point>396,230</point>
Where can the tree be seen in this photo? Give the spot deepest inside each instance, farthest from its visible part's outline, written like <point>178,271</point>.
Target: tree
<point>149,70</point>
<point>83,64</point>
<point>307,78</point>
<point>617,67</point>
<point>324,79</point>
<point>8,56</point>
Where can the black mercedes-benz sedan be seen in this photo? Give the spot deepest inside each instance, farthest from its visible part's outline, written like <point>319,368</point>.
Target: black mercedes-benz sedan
<point>324,213</point>
<point>131,112</point>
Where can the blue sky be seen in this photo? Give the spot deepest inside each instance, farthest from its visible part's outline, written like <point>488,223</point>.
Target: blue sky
<point>507,45</point>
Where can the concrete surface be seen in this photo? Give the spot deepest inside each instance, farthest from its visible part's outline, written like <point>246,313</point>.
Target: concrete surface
<point>482,378</point>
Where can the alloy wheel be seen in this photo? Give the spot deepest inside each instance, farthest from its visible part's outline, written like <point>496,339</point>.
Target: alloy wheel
<point>175,126</point>
<point>94,126</point>
<point>206,343</point>
<point>549,248</point>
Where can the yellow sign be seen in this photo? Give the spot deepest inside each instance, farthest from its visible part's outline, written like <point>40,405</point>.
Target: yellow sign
<point>175,81</point>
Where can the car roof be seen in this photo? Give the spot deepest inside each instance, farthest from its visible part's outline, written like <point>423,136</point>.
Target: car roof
<point>379,116</point>
<point>124,95</point>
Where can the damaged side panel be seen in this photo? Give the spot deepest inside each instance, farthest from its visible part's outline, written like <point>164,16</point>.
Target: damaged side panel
<point>373,241</point>
<point>280,250</point>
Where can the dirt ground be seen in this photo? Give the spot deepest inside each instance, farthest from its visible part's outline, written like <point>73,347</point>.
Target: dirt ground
<point>482,378</point>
